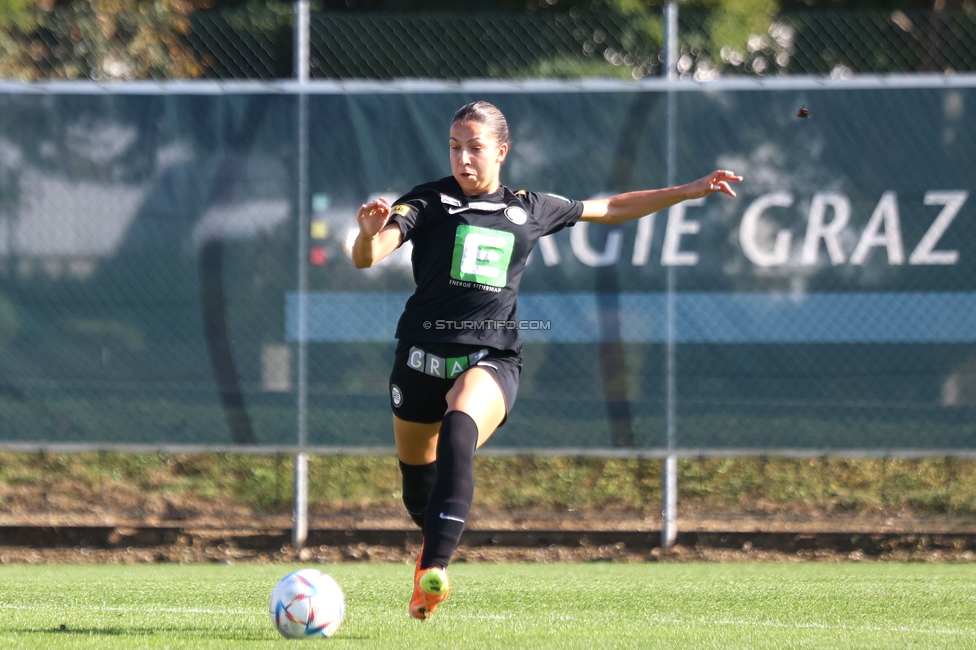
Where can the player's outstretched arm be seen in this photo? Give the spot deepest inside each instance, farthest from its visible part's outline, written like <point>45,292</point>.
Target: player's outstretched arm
<point>633,205</point>
<point>377,237</point>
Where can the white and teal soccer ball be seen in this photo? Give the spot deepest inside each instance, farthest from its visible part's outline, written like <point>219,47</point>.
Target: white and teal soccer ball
<point>307,603</point>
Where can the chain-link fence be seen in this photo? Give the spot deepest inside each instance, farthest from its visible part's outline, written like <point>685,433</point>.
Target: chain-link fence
<point>149,242</point>
<point>77,43</point>
<point>461,46</point>
<point>150,256</point>
<point>257,43</point>
<point>829,42</point>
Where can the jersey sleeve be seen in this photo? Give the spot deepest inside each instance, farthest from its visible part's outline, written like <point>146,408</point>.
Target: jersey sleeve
<point>408,213</point>
<point>552,212</point>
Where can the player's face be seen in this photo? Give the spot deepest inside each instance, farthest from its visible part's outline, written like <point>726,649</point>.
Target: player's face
<point>476,157</point>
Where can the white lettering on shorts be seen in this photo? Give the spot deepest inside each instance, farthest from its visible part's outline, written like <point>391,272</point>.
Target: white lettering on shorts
<point>416,359</point>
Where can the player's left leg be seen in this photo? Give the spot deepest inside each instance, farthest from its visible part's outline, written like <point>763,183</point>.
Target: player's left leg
<point>476,407</point>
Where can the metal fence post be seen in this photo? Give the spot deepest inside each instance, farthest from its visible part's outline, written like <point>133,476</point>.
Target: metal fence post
<point>669,482</point>
<point>300,498</point>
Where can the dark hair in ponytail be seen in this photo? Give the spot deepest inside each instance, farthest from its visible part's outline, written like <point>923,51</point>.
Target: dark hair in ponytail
<point>487,114</point>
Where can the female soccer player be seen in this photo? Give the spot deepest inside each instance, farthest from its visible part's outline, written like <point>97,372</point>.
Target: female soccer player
<point>458,358</point>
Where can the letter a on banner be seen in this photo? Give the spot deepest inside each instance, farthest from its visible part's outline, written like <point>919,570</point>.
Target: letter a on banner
<point>885,214</point>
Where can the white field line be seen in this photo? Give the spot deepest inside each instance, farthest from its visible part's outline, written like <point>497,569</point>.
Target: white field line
<point>761,624</point>
<point>129,608</point>
<point>811,626</point>
<point>655,619</point>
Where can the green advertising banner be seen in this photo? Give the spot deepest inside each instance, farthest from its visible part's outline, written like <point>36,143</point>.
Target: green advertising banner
<point>150,256</point>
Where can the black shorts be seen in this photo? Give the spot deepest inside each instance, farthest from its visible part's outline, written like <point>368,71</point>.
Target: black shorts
<point>423,373</point>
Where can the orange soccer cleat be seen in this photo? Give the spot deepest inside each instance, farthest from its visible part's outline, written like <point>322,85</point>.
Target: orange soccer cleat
<point>430,589</point>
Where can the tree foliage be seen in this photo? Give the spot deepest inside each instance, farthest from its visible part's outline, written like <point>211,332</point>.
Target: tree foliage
<point>162,39</point>
<point>99,39</point>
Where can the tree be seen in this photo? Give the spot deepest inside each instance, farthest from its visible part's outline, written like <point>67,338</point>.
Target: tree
<point>99,39</point>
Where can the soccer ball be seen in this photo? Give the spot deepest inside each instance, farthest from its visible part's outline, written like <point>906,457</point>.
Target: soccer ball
<point>307,603</point>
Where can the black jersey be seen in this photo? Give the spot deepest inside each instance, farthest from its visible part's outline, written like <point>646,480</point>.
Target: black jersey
<point>468,256</point>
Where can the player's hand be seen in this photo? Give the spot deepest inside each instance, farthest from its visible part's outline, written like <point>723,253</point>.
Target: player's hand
<point>373,216</point>
<point>717,181</point>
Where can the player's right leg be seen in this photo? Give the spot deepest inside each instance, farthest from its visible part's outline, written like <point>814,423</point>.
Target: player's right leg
<point>417,449</point>
<point>418,403</point>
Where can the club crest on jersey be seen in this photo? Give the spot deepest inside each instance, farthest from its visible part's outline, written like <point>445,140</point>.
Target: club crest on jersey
<point>516,215</point>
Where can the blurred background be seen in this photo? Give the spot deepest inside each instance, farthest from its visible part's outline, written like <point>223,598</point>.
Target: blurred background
<point>179,316</point>
<point>444,39</point>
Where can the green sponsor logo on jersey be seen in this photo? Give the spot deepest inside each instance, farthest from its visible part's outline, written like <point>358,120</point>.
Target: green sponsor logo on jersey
<point>482,255</point>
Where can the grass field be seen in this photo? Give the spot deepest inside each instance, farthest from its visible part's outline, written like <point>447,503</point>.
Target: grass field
<point>504,606</point>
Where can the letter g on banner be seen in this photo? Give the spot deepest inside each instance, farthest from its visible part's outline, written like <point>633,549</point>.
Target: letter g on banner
<point>752,230</point>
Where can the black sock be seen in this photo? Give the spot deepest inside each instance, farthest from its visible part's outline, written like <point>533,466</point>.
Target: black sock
<point>450,500</point>
<point>418,480</point>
